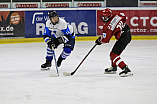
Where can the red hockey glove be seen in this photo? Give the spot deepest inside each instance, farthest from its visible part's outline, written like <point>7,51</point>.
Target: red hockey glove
<point>98,41</point>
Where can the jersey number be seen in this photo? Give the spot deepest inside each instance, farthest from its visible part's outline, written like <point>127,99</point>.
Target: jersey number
<point>120,25</point>
<point>68,32</point>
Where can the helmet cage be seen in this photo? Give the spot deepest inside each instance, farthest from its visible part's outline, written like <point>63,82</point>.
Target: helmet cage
<point>53,14</point>
<point>106,15</point>
<point>104,19</point>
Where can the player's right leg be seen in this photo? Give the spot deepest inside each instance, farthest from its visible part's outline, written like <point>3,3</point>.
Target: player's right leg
<point>49,57</point>
<point>116,60</point>
<point>126,72</point>
<point>67,49</point>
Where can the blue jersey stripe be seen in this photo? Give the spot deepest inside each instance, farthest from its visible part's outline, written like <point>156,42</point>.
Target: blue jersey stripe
<point>47,32</point>
<point>67,31</point>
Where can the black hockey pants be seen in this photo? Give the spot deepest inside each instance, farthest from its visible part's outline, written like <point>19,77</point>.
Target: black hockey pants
<point>123,41</point>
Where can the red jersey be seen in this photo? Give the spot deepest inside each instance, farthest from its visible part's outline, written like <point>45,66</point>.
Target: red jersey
<point>113,27</point>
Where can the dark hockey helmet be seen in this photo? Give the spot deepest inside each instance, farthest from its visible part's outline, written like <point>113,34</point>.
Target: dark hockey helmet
<point>53,16</point>
<point>106,14</point>
<point>52,13</point>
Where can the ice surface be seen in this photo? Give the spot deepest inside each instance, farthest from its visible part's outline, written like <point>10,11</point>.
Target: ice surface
<point>22,81</point>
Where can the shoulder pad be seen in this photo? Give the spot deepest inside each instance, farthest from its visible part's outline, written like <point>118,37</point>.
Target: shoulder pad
<point>62,24</point>
<point>48,22</point>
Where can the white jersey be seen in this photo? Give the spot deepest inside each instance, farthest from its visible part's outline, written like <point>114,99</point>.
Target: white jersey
<point>58,29</point>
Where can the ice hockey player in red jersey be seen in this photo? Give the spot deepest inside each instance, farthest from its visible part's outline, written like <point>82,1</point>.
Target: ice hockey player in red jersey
<point>115,24</point>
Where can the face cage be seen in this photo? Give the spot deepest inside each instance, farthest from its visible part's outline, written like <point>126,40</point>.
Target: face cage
<point>103,19</point>
<point>53,22</point>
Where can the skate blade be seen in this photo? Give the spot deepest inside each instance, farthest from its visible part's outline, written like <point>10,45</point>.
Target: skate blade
<point>112,72</point>
<point>126,75</point>
<point>66,74</point>
<point>53,75</point>
<point>44,69</point>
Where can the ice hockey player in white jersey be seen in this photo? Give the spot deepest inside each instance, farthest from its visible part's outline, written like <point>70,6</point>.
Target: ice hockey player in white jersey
<point>57,31</point>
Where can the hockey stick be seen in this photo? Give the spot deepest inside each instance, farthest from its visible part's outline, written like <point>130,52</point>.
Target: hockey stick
<point>72,73</point>
<point>55,75</point>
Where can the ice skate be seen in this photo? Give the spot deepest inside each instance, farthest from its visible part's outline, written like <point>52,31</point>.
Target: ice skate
<point>60,59</point>
<point>111,70</point>
<point>126,72</point>
<point>47,65</point>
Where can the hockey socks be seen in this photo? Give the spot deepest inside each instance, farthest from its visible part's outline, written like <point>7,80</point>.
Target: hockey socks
<point>66,52</point>
<point>49,57</point>
<point>49,54</point>
<point>116,60</point>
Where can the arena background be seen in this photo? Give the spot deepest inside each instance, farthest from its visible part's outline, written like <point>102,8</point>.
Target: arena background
<point>24,21</point>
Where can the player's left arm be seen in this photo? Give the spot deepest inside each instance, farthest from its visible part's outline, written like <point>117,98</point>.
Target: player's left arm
<point>120,27</point>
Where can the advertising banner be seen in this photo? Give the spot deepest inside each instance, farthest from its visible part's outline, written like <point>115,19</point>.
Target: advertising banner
<point>141,22</point>
<point>56,4</point>
<point>89,4</point>
<point>83,23</point>
<point>4,5</point>
<point>12,24</point>
<point>148,3</point>
<point>26,4</point>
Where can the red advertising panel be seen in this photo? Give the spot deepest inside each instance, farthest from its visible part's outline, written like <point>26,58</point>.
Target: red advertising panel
<point>51,5</point>
<point>89,4</point>
<point>148,4</point>
<point>3,5</point>
<point>26,5</point>
<point>141,22</point>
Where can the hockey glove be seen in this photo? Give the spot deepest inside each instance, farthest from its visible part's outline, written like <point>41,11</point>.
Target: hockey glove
<point>98,41</point>
<point>50,44</point>
<point>63,39</point>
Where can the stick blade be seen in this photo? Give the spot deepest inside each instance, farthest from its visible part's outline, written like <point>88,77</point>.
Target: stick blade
<point>66,74</point>
<point>53,75</point>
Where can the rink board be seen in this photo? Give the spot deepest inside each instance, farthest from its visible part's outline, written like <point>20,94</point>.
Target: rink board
<point>30,23</point>
<point>142,22</point>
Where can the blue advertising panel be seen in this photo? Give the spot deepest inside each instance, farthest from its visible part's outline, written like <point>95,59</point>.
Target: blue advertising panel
<point>83,21</point>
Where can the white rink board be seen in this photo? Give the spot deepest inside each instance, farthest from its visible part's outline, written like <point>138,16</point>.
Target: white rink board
<point>93,8</point>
